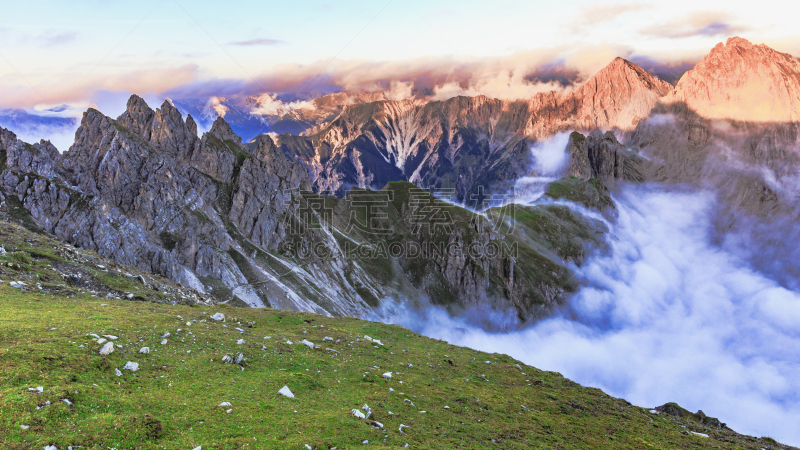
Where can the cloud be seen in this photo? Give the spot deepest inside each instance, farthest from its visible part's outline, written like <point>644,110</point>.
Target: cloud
<point>262,41</point>
<point>591,15</point>
<point>270,105</point>
<point>74,89</point>
<point>665,315</point>
<point>51,39</point>
<point>700,23</point>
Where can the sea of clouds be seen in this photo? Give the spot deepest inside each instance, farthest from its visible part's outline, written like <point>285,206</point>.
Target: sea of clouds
<point>668,314</point>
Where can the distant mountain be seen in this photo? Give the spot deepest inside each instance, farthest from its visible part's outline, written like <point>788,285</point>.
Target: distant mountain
<point>465,143</point>
<point>742,81</point>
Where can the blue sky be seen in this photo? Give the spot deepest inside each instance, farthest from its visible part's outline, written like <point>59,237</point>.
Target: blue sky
<point>85,52</point>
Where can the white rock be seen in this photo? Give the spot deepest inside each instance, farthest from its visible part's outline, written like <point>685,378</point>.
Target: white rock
<point>95,336</point>
<point>227,359</point>
<point>239,358</point>
<point>308,344</point>
<point>164,342</point>
<point>224,404</point>
<point>102,341</point>
<point>377,424</point>
<point>653,411</point>
<point>132,366</point>
<point>699,434</point>
<point>308,447</point>
<point>219,317</point>
<point>327,338</point>
<point>367,338</point>
<point>387,375</point>
<point>240,341</point>
<point>391,390</point>
<point>446,407</point>
<point>17,284</point>
<point>286,392</point>
<point>198,448</point>
<point>107,349</point>
<point>166,335</point>
<point>119,374</point>
<point>229,411</point>
<point>144,350</point>
<point>110,337</point>
<point>367,410</point>
<point>50,447</point>
<point>25,427</point>
<point>66,400</point>
<point>488,362</point>
<point>359,414</point>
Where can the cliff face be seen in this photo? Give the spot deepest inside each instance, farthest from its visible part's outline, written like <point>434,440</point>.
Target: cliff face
<point>465,143</point>
<point>741,81</point>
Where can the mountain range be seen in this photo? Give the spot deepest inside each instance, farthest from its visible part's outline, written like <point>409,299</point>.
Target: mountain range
<point>327,221</point>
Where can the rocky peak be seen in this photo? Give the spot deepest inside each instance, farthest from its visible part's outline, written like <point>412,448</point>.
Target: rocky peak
<point>742,81</point>
<point>222,130</point>
<point>169,133</point>
<point>618,96</point>
<point>6,138</point>
<point>191,125</point>
<point>137,117</point>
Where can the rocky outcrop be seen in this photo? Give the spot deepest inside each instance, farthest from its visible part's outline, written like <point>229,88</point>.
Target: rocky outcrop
<point>742,81</point>
<point>599,155</point>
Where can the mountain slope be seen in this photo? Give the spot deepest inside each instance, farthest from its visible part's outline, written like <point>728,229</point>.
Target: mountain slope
<point>438,396</point>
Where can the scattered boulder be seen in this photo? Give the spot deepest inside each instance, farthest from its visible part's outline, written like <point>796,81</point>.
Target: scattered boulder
<point>218,317</point>
<point>107,349</point>
<point>359,414</point>
<point>144,350</point>
<point>119,374</point>
<point>387,375</point>
<point>132,366</point>
<point>286,392</point>
<point>308,344</point>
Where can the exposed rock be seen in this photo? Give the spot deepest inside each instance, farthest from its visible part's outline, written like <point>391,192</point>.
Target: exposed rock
<point>132,366</point>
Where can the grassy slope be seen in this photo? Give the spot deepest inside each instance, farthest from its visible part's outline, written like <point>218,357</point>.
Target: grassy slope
<point>172,401</point>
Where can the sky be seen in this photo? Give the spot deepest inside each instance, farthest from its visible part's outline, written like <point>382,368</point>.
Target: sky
<point>95,52</point>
